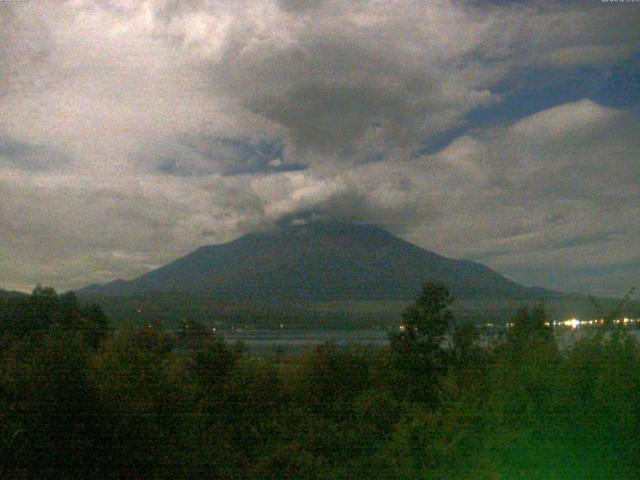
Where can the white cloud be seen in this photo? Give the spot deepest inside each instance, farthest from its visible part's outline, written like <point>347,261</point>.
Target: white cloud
<point>567,119</point>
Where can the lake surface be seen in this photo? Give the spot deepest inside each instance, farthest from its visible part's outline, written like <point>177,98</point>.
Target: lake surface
<point>297,342</point>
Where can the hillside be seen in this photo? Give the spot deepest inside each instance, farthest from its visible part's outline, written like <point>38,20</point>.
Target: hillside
<point>321,274</point>
<point>317,262</point>
<point>6,294</point>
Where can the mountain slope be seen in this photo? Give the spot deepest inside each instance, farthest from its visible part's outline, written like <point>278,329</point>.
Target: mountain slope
<point>6,294</point>
<point>317,262</point>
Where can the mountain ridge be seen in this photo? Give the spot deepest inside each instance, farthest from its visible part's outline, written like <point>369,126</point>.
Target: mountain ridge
<point>318,261</point>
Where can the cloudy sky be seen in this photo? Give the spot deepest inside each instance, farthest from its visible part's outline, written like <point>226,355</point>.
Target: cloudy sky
<point>132,132</point>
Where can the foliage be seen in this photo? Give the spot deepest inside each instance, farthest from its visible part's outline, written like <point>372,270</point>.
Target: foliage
<point>417,349</point>
<point>440,402</point>
<point>44,310</point>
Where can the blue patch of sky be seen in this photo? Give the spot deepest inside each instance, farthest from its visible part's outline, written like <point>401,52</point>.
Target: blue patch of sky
<point>27,156</point>
<point>537,89</point>
<point>15,150</point>
<point>170,166</point>
<point>228,156</point>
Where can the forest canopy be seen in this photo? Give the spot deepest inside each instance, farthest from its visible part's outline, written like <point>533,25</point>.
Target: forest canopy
<point>81,400</point>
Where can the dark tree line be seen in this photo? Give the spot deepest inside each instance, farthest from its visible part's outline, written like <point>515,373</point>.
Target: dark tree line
<point>44,310</point>
<point>78,400</point>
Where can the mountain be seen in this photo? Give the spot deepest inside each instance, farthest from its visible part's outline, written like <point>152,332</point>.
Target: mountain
<point>317,262</point>
<point>5,294</point>
<point>321,274</point>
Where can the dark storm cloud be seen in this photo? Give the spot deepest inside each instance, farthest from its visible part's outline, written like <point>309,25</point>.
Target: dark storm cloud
<point>331,119</point>
<point>332,89</point>
<point>340,76</point>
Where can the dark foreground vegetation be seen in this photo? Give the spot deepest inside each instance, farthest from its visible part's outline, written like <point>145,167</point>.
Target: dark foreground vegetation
<point>78,400</point>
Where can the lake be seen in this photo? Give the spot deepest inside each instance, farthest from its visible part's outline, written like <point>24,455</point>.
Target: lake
<point>297,342</point>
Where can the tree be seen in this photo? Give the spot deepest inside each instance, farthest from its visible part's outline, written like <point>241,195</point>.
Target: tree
<point>417,348</point>
<point>44,310</point>
<point>193,335</point>
<point>427,320</point>
<point>131,376</point>
<point>463,341</point>
<point>46,384</point>
<point>530,323</point>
